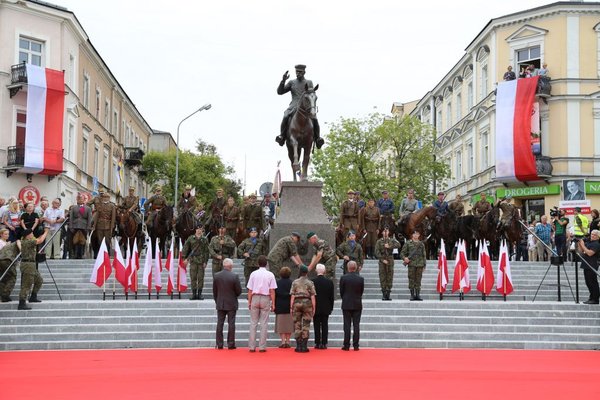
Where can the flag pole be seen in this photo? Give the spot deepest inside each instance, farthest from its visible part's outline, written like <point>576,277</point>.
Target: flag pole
<point>483,295</point>
<point>460,291</point>
<point>104,283</point>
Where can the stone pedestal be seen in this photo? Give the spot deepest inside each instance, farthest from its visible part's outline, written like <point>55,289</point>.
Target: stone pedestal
<point>302,211</point>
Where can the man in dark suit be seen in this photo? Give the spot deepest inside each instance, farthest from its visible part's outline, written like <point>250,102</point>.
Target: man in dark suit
<point>226,289</point>
<point>324,289</point>
<point>352,287</point>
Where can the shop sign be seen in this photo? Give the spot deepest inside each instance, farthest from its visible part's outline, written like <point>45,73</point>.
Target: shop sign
<point>592,187</point>
<point>526,191</point>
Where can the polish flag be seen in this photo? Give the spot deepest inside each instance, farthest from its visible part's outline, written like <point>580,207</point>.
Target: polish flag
<point>485,272</point>
<point>147,273</point>
<point>514,105</point>
<point>442,280</point>
<point>461,270</point>
<point>44,125</point>
<point>134,267</point>
<point>181,271</point>
<point>102,268</point>
<point>120,266</point>
<point>157,268</point>
<point>504,279</point>
<point>172,268</point>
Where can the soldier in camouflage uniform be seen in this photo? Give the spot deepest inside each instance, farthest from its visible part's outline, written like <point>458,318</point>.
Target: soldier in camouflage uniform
<point>384,253</point>
<point>249,250</point>
<point>195,253</point>
<point>414,257</point>
<point>482,206</point>
<point>153,205</point>
<point>369,221</point>
<point>324,254</point>
<point>284,249</point>
<point>303,308</point>
<point>221,246</point>
<point>350,250</point>
<point>131,203</point>
<point>349,213</point>
<point>104,220</point>
<point>253,215</point>
<point>7,254</point>
<point>231,217</point>
<point>30,276</point>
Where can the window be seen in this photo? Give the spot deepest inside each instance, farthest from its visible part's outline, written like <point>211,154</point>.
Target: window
<point>107,114</point>
<point>528,56</point>
<point>484,81</point>
<point>70,140</point>
<point>484,150</point>
<point>30,51</point>
<point>86,91</point>
<point>96,159</point>
<point>84,149</point>
<point>458,107</point>
<point>98,95</point>
<point>21,122</point>
<point>470,96</point>
<point>459,173</point>
<point>106,167</point>
<point>471,160</point>
<point>115,123</point>
<point>448,115</point>
<point>71,77</point>
<point>438,121</point>
<point>128,137</point>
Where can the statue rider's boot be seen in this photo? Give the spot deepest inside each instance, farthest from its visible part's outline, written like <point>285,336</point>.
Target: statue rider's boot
<point>319,142</point>
<point>280,139</point>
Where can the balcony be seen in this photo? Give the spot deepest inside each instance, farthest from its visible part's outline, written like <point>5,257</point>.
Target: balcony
<point>133,156</point>
<point>15,157</point>
<point>18,78</point>
<point>544,88</point>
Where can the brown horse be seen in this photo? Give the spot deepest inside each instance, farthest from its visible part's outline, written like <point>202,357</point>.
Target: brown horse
<point>416,221</point>
<point>161,228</point>
<point>185,226</point>
<point>488,229</point>
<point>128,227</point>
<point>300,132</point>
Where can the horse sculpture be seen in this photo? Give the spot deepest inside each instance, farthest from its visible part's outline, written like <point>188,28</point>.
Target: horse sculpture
<point>128,228</point>
<point>300,132</point>
<point>160,228</point>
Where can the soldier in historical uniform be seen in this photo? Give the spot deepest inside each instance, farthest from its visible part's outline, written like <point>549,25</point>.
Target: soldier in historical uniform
<point>303,308</point>
<point>457,206</point>
<point>284,249</point>
<point>482,206</point>
<point>384,252</point>
<point>508,212</point>
<point>350,250</point>
<point>30,276</point>
<point>409,204</point>
<point>349,213</point>
<point>249,250</point>
<point>324,254</point>
<point>369,217</point>
<point>386,209</point>
<point>131,203</point>
<point>231,217</point>
<point>104,220</point>
<point>215,209</point>
<point>297,87</point>
<point>440,205</point>
<point>221,246</point>
<point>187,202</point>
<point>7,254</point>
<point>253,215</point>
<point>94,202</point>
<point>195,254</point>
<point>414,257</point>
<point>154,204</point>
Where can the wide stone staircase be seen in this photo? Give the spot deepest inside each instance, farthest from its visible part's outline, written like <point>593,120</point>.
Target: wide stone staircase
<point>83,320</point>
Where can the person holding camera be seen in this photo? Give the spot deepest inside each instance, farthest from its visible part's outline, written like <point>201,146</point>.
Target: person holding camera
<point>559,225</point>
<point>589,251</point>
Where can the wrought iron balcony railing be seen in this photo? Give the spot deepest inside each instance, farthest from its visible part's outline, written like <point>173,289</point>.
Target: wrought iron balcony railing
<point>133,155</point>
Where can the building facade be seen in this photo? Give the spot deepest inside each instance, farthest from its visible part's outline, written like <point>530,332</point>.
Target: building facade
<point>462,107</point>
<point>104,135</point>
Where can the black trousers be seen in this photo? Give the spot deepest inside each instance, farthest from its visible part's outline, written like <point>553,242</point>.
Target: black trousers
<point>221,314</point>
<point>591,281</point>
<point>321,325</point>
<point>561,245</point>
<point>351,317</point>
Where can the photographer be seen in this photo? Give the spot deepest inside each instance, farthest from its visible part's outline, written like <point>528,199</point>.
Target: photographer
<point>589,251</point>
<point>559,225</point>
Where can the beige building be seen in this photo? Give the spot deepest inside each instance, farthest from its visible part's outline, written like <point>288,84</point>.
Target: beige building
<point>104,135</point>
<point>566,37</point>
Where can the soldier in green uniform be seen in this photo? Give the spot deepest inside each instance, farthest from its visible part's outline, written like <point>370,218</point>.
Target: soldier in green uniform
<point>482,206</point>
<point>195,253</point>
<point>253,215</point>
<point>131,204</point>
<point>284,249</point>
<point>249,250</point>
<point>414,257</point>
<point>103,221</point>
<point>154,204</point>
<point>350,250</point>
<point>384,253</point>
<point>457,206</point>
<point>187,202</point>
<point>302,307</point>
<point>349,213</point>
<point>221,246</point>
<point>93,203</point>
<point>231,217</point>
<point>215,209</point>
<point>324,254</point>
<point>369,221</point>
<point>8,253</point>
<point>30,276</point>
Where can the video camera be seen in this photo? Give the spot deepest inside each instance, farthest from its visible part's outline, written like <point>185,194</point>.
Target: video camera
<point>555,212</point>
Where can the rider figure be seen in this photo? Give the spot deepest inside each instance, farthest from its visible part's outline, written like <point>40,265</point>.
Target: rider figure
<point>296,87</point>
<point>154,204</point>
<point>409,204</point>
<point>386,210</point>
<point>131,204</point>
<point>508,211</point>
<point>187,202</point>
<point>457,206</point>
<point>440,205</point>
<point>482,206</point>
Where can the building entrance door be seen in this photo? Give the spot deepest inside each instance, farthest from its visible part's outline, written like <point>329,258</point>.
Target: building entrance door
<point>532,209</point>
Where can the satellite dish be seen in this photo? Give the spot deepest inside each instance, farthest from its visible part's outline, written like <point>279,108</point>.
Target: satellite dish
<point>265,188</point>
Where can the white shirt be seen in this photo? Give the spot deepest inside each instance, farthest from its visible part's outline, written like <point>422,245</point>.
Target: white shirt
<point>53,214</point>
<point>261,281</point>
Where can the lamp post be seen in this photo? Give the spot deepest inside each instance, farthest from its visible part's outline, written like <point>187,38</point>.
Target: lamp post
<point>204,107</point>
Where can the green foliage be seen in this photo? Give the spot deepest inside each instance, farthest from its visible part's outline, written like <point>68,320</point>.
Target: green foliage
<point>206,172</point>
<point>375,153</point>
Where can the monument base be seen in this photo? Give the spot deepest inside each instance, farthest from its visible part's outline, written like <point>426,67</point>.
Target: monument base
<point>302,211</point>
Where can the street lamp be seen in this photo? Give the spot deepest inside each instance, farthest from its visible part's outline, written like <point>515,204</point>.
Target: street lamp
<point>204,107</point>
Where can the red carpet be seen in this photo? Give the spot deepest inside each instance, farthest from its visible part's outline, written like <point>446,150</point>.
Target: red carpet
<point>377,374</point>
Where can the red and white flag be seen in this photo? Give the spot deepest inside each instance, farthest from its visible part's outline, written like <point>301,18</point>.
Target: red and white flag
<point>504,279</point>
<point>514,105</point>
<point>134,267</point>
<point>148,265</point>
<point>442,280</point>
<point>120,266</point>
<point>181,271</point>
<point>485,272</point>
<point>157,268</point>
<point>102,268</point>
<point>172,269</point>
<point>44,125</point>
<point>461,270</point>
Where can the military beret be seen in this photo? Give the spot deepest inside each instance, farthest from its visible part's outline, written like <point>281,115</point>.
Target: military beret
<point>310,234</point>
<point>253,229</point>
<point>300,67</point>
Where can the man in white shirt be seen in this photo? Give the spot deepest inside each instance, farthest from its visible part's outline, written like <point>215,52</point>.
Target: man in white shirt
<point>261,300</point>
<point>54,216</point>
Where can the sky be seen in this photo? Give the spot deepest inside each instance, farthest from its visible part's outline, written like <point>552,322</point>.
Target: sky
<point>173,57</point>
